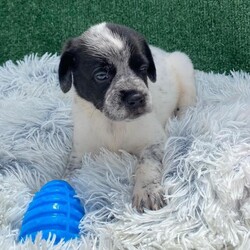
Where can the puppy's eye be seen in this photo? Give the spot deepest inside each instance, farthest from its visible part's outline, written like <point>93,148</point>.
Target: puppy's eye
<point>143,68</point>
<point>101,76</point>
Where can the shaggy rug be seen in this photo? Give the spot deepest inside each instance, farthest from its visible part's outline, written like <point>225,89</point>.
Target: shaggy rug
<point>206,167</point>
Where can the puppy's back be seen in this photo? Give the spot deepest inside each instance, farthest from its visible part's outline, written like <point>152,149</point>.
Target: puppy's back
<point>174,89</point>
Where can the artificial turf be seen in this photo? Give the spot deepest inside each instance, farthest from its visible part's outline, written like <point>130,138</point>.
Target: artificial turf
<point>215,33</point>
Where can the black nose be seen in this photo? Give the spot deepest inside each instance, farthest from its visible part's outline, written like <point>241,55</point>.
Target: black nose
<point>133,99</point>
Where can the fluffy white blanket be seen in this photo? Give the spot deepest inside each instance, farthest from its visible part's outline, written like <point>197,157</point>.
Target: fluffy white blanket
<point>206,167</point>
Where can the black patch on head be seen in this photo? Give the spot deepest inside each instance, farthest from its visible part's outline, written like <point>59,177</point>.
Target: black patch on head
<point>79,66</point>
<point>141,60</point>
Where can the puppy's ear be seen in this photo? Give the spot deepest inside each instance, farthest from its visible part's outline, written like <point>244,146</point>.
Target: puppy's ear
<point>151,68</point>
<point>66,66</point>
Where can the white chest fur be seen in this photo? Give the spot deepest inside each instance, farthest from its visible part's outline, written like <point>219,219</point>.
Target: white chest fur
<point>92,130</point>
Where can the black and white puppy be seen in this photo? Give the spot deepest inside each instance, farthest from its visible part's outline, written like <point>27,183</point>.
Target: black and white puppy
<point>118,104</point>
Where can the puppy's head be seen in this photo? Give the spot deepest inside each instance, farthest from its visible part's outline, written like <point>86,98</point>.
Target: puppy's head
<point>109,66</point>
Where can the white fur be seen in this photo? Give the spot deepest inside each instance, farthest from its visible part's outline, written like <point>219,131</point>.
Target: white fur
<point>93,130</point>
<point>104,38</point>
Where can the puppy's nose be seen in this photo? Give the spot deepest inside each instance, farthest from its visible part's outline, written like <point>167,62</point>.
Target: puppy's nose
<point>133,99</point>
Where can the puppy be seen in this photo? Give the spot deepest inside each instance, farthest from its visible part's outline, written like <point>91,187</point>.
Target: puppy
<point>124,93</point>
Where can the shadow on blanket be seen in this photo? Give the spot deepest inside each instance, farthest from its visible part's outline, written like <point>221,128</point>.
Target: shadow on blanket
<point>206,166</point>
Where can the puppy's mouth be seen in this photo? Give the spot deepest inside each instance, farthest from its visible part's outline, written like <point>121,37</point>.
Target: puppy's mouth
<point>133,114</point>
<point>122,114</point>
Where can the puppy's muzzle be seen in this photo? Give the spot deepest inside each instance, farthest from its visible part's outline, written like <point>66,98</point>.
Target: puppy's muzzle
<point>133,99</point>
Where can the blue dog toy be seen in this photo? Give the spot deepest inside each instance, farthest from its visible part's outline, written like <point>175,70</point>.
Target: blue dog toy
<point>53,210</point>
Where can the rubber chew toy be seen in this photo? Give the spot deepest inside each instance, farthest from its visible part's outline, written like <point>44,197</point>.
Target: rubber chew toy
<point>53,210</point>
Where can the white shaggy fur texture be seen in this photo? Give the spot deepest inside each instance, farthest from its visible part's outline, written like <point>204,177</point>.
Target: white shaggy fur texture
<point>206,167</point>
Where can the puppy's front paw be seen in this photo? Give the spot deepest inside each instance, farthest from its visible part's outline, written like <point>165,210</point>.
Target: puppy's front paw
<point>150,197</point>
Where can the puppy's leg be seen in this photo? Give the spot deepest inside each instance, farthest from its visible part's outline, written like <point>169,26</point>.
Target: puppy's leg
<point>182,68</point>
<point>82,143</point>
<point>148,192</point>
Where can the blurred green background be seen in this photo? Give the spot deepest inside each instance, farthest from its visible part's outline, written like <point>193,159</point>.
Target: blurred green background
<point>216,34</point>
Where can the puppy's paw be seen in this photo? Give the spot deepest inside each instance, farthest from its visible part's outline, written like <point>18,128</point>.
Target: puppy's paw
<point>149,197</point>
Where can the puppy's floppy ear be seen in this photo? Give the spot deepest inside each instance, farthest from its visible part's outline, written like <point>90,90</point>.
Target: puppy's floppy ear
<point>66,66</point>
<point>151,67</point>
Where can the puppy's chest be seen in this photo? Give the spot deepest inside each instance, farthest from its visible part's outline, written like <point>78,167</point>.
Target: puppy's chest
<point>128,136</point>
<point>113,136</point>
